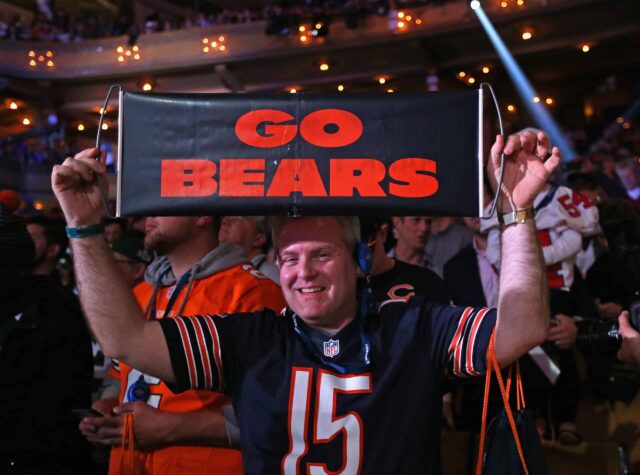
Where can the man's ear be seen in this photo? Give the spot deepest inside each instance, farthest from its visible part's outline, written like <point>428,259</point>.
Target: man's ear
<point>204,220</point>
<point>259,240</point>
<point>53,250</point>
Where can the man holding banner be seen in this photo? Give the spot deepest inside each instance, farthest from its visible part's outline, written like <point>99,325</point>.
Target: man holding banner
<point>318,388</point>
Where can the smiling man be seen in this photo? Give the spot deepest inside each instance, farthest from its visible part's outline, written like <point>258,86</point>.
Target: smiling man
<point>317,388</point>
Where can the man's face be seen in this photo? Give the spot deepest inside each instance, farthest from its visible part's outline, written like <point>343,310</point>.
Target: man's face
<point>412,231</point>
<point>317,271</point>
<point>239,230</point>
<point>112,231</point>
<point>130,270</point>
<point>164,234</point>
<point>39,237</point>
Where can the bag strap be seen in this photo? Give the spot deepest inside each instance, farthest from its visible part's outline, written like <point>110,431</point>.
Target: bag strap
<point>492,365</point>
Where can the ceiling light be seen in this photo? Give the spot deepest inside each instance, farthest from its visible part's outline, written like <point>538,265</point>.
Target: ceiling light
<point>520,2</point>
<point>50,64</point>
<point>536,99</point>
<point>390,91</point>
<point>26,121</point>
<point>585,48</point>
<point>400,14</point>
<point>119,49</point>
<point>324,67</point>
<point>620,120</point>
<point>401,24</point>
<point>13,106</point>
<point>527,35</point>
<point>302,28</point>
<point>293,90</point>
<point>382,80</point>
<point>418,21</point>
<point>504,4</point>
<point>471,80</point>
<point>462,74</point>
<point>147,86</point>
<point>121,58</point>
<point>511,108</point>
<point>475,4</point>
<point>105,126</point>
<point>549,101</point>
<point>486,70</point>
<point>80,127</point>
<point>340,88</point>
<point>32,54</point>
<point>221,39</point>
<point>303,38</point>
<point>222,47</point>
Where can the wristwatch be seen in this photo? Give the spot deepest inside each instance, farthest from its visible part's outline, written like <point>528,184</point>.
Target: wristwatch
<point>517,217</point>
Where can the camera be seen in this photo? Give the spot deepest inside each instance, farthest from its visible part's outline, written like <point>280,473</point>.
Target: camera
<point>599,336</point>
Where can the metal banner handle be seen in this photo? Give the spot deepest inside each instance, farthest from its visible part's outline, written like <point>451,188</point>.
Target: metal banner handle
<point>495,199</point>
<point>105,202</point>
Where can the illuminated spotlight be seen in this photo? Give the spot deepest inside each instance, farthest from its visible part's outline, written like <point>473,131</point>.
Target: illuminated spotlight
<point>147,86</point>
<point>105,126</point>
<point>475,4</point>
<point>536,99</point>
<point>38,205</point>
<point>511,108</point>
<point>340,88</point>
<point>401,24</point>
<point>390,91</point>
<point>120,49</point>
<point>461,74</point>
<point>471,80</point>
<point>418,21</point>
<point>520,3</point>
<point>400,14</point>
<point>32,54</point>
<point>127,53</point>
<point>102,110</point>
<point>382,80</point>
<point>205,49</point>
<point>136,56</point>
<point>41,58</point>
<point>303,38</point>
<point>50,64</point>
<point>49,54</point>
<point>549,101</point>
<point>26,121</point>
<point>13,106</point>
<point>32,62</point>
<point>619,120</point>
<point>527,35</point>
<point>408,18</point>
<point>222,47</point>
<point>121,59</point>
<point>486,70</point>
<point>324,67</point>
<point>626,125</point>
<point>221,39</point>
<point>80,127</point>
<point>214,44</point>
<point>135,48</point>
<point>585,48</point>
<point>293,90</point>
<point>302,28</point>
<point>318,26</point>
<point>504,4</point>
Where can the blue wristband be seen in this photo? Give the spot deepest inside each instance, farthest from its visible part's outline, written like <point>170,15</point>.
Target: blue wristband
<point>85,231</point>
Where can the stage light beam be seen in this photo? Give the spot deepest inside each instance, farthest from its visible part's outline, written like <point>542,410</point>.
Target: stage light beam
<point>541,116</point>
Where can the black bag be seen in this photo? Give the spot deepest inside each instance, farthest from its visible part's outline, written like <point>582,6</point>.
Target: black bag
<point>512,443</point>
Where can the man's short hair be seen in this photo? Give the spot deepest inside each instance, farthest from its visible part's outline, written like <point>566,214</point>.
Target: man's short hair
<point>349,225</point>
<point>54,232</point>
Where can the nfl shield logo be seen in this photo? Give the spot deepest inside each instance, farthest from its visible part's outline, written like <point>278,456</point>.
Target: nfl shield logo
<point>331,348</point>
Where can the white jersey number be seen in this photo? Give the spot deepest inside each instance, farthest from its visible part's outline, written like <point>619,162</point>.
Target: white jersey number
<point>327,424</point>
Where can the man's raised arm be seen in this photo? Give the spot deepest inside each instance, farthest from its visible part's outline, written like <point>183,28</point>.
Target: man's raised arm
<point>523,304</point>
<point>108,303</point>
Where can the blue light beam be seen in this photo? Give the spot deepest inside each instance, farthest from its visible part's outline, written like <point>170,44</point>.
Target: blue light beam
<point>540,115</point>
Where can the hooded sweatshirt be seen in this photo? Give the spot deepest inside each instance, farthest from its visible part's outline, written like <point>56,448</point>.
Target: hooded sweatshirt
<point>223,281</point>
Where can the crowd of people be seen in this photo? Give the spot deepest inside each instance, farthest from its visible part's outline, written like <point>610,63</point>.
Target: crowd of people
<point>58,25</point>
<point>588,225</point>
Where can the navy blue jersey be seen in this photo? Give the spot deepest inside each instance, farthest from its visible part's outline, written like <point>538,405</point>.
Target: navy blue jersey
<point>299,415</point>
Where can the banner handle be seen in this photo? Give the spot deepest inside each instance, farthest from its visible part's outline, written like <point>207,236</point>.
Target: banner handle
<point>495,102</point>
<point>105,203</point>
